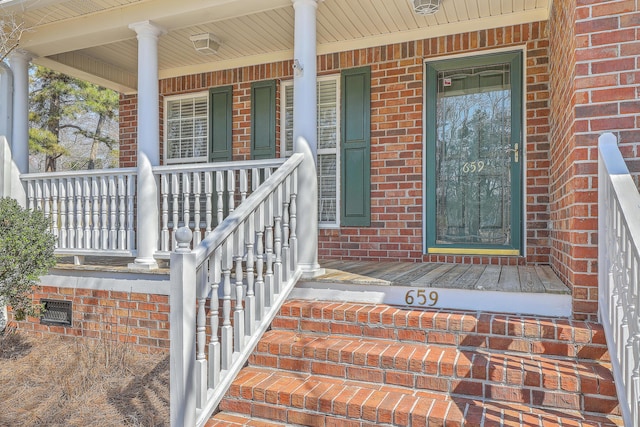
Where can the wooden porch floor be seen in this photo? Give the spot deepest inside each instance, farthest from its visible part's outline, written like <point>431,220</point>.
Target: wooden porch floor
<point>524,279</point>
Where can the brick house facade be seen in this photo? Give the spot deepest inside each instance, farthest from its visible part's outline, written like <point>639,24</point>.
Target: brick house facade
<point>560,229</point>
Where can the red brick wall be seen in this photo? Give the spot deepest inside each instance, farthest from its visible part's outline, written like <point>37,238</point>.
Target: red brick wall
<point>562,58</point>
<point>594,50</point>
<point>397,142</point>
<point>140,319</point>
<point>128,130</point>
<point>397,146</point>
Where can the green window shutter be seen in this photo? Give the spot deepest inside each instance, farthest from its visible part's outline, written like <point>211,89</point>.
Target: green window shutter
<point>220,123</point>
<point>355,147</point>
<point>263,119</point>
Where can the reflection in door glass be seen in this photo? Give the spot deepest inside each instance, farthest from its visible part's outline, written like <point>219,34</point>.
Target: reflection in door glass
<point>473,183</point>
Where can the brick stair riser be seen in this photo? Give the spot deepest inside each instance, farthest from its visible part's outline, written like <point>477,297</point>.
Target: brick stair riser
<point>551,383</point>
<point>529,335</point>
<point>314,401</point>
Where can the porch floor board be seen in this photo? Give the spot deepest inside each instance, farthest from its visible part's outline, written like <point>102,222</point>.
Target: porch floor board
<point>522,279</point>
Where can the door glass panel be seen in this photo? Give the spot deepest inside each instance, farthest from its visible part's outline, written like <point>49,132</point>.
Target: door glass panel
<point>473,158</point>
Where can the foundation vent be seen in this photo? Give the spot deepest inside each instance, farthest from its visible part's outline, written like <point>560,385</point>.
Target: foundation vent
<point>56,312</point>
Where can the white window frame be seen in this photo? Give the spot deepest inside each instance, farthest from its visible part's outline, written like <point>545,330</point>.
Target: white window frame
<point>195,159</point>
<point>283,141</point>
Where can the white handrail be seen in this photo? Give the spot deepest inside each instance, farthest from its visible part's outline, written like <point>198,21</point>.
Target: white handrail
<point>619,273</point>
<point>258,243</point>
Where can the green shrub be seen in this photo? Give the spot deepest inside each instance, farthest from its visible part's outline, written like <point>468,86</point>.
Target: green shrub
<point>26,253</point>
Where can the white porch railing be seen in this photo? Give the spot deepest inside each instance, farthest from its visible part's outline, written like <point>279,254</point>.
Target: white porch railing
<point>200,196</point>
<point>95,213</point>
<point>249,262</point>
<point>92,212</point>
<point>619,273</point>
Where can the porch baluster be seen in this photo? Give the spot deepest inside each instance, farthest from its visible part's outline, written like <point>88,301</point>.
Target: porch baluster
<point>164,233</point>
<point>214,307</point>
<point>259,285</point>
<point>201,337</point>
<point>250,300</point>
<point>71,235</point>
<point>243,184</point>
<point>186,189</point>
<point>238,312</point>
<point>95,214</point>
<point>208,191</point>
<point>86,189</point>
<point>46,196</point>
<point>131,234</point>
<point>197,234</point>
<point>55,203</point>
<point>113,227</point>
<point>231,189</point>
<point>104,231</point>
<point>78,195</point>
<point>122,224</point>
<point>226,332</point>
<point>174,209</point>
<point>220,199</point>
<point>285,231</point>
<point>277,267</point>
<point>255,179</point>
<point>31,195</point>
<point>293,211</point>
<point>38,195</point>
<point>62,239</point>
<point>268,240</point>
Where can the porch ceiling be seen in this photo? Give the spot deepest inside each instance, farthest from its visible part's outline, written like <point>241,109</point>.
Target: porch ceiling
<point>91,39</point>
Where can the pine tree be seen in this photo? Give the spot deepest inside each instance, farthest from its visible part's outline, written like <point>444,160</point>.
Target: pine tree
<point>60,103</point>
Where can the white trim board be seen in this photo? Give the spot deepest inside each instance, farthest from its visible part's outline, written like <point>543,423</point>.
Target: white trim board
<point>108,281</point>
<point>537,304</point>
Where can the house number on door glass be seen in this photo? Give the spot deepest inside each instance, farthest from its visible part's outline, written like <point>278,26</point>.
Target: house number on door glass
<point>473,167</point>
<point>421,297</point>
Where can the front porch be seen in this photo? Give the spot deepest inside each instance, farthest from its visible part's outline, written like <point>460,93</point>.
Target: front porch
<point>533,290</point>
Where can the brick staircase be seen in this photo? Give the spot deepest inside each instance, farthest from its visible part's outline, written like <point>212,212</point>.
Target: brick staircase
<point>343,364</point>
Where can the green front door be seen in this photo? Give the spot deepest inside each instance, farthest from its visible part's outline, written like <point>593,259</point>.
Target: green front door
<point>474,155</point>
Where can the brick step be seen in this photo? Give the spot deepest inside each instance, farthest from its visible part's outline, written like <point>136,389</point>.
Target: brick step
<point>462,329</point>
<point>313,400</point>
<point>536,380</point>
<point>225,419</point>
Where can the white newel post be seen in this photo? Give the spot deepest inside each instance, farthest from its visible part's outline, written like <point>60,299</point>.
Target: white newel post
<point>182,329</point>
<point>148,143</point>
<point>305,133</point>
<point>19,61</point>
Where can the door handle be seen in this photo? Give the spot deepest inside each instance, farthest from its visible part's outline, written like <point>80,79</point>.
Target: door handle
<point>516,152</point>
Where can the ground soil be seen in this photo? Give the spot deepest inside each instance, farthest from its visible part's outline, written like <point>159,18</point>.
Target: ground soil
<point>73,382</point>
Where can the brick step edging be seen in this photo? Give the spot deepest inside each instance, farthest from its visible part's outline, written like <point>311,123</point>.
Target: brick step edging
<point>294,398</point>
<point>548,382</point>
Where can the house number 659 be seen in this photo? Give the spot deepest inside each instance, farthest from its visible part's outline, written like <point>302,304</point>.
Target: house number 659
<point>420,297</point>
<point>473,167</point>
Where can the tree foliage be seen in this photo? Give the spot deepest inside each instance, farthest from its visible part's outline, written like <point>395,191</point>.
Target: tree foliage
<point>63,107</point>
<point>26,253</point>
<point>11,30</point>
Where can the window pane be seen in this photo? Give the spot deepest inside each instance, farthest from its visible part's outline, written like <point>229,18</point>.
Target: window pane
<point>187,127</point>
<point>173,149</point>
<point>327,187</point>
<point>288,114</point>
<point>328,134</point>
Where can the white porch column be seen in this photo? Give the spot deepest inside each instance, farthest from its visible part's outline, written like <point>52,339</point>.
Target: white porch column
<point>305,132</point>
<point>19,61</point>
<point>148,143</point>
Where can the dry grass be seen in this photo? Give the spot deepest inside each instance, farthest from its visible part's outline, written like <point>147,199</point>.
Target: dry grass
<point>67,382</point>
